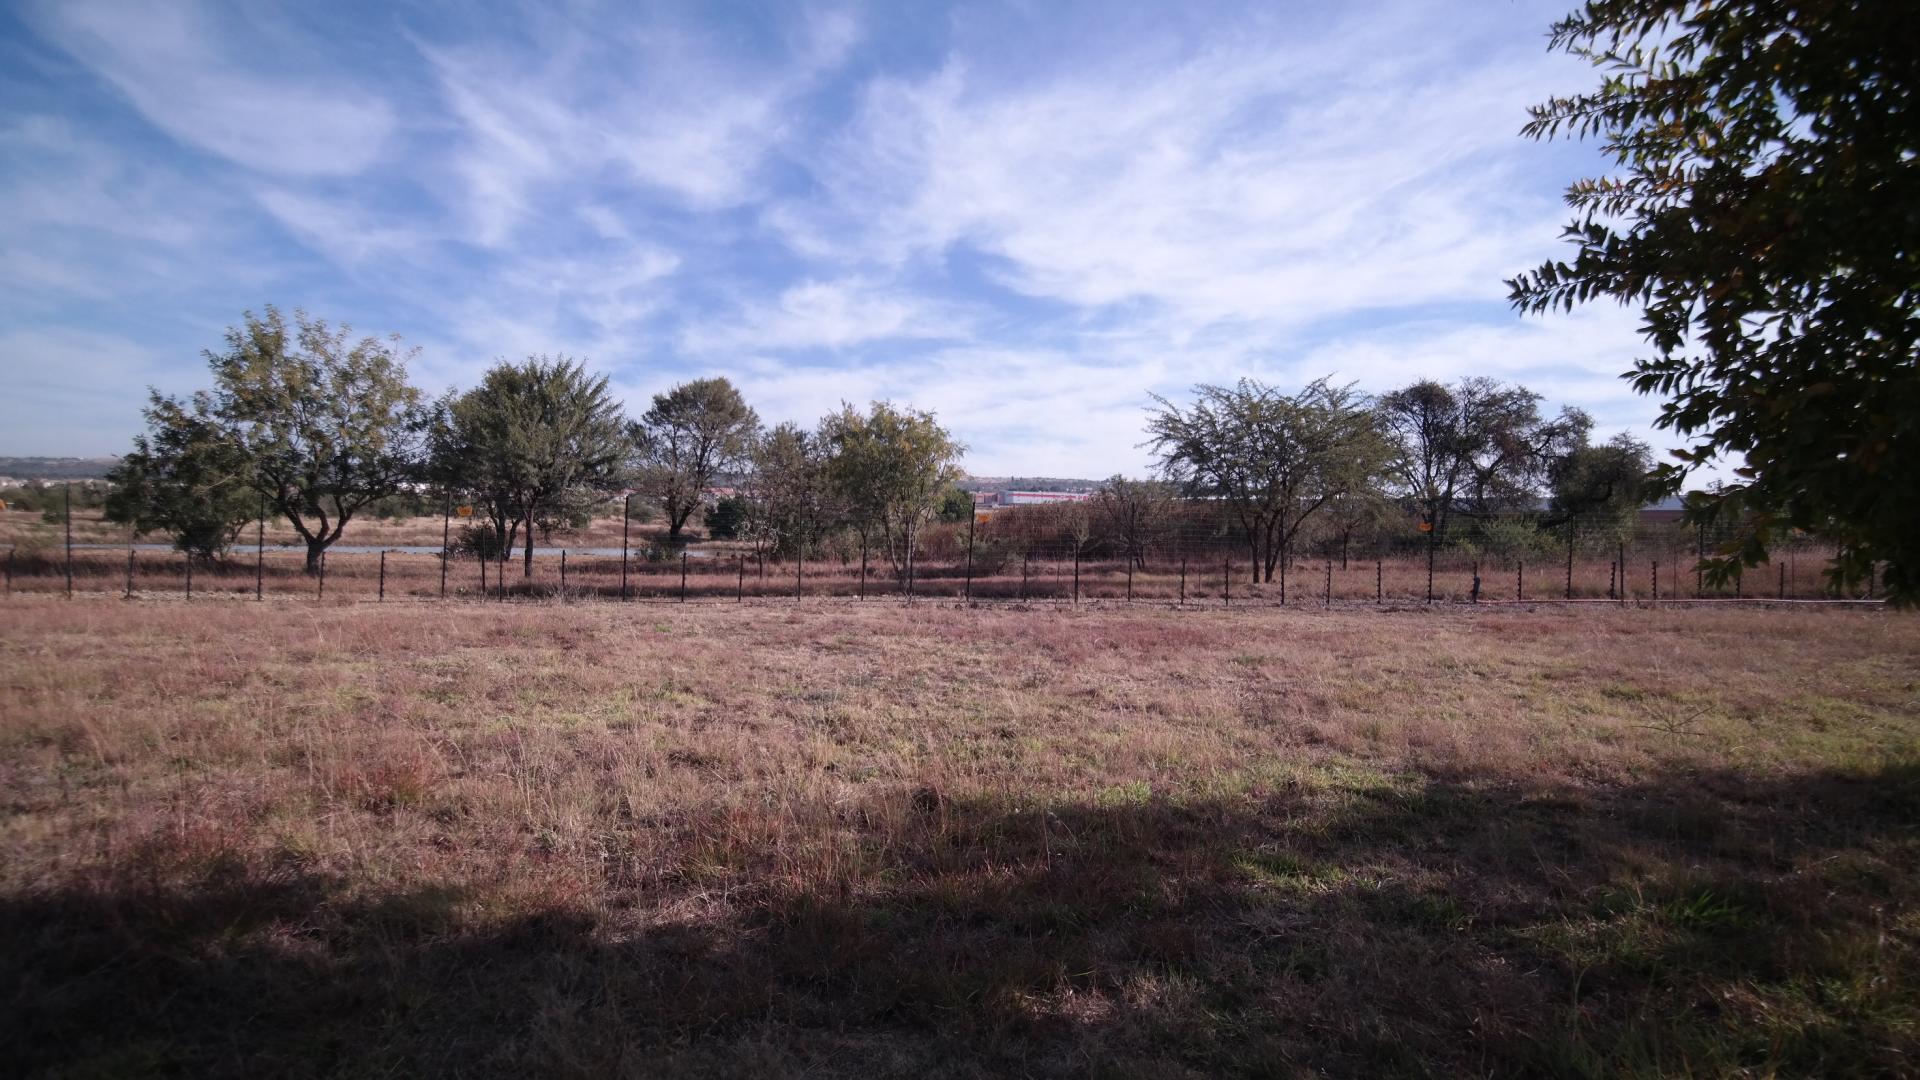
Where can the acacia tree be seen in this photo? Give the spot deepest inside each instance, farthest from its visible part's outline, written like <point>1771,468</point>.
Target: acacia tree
<point>1768,162</point>
<point>1475,447</point>
<point>185,478</point>
<point>326,423</point>
<point>1601,488</point>
<point>533,442</point>
<point>692,433</point>
<point>889,468</point>
<point>1274,459</point>
<point>1134,514</point>
<point>787,497</point>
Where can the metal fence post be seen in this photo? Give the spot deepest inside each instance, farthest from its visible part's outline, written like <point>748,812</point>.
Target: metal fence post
<point>740,583</point>
<point>446,540</point>
<point>1226,580</point>
<point>383,574</point>
<point>1326,597</point>
<point>626,522</point>
<point>1620,550</point>
<point>1129,579</point>
<point>189,560</point>
<point>1183,581</point>
<point>1076,572</point>
<point>1024,556</point>
<point>1569,562</point>
<point>1783,581</point>
<point>69,514</point>
<point>683,575</point>
<point>260,555</point>
<point>129,595</point>
<point>1656,581</point>
<point>323,577</point>
<point>1379,575</point>
<point>563,575</point>
<point>973,516</point>
<point>863,568</point>
<point>799,568</point>
<point>1430,546</point>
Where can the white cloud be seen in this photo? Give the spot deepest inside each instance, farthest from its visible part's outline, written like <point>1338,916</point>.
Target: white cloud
<point>826,314</point>
<point>217,92</point>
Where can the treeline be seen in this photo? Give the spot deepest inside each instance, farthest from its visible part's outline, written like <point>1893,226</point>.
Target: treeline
<point>307,423</point>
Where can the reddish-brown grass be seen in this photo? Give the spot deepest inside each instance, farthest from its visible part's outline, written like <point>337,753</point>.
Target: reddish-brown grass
<point>605,839</point>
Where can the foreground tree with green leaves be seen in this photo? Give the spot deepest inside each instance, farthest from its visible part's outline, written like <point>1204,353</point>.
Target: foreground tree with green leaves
<point>326,423</point>
<point>1763,217</point>
<point>691,434</point>
<point>186,478</point>
<point>889,467</point>
<point>535,442</point>
<point>1274,459</point>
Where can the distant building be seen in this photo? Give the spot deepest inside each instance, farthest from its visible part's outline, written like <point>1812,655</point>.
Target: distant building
<point>1041,498</point>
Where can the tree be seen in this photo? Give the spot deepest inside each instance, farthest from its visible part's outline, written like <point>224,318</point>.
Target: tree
<point>728,518</point>
<point>1477,447</point>
<point>889,467</point>
<point>535,443</point>
<point>185,477</point>
<point>1363,512</point>
<point>1133,514</point>
<point>691,434</point>
<point>1762,217</point>
<point>956,506</point>
<point>787,504</point>
<point>1274,459</point>
<point>1602,487</point>
<point>326,423</point>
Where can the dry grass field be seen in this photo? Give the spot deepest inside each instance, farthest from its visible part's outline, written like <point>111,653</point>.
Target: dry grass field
<point>835,840</point>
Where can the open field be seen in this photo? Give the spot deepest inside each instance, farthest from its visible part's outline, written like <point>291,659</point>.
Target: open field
<point>838,840</point>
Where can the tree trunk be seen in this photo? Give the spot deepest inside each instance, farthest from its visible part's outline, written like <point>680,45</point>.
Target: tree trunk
<point>316,547</point>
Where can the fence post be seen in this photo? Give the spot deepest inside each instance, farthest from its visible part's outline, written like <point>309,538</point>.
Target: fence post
<point>799,568</point>
<point>683,575</point>
<point>1129,578</point>
<point>383,574</point>
<point>69,514</point>
<point>1656,581</point>
<point>129,595</point>
<point>1226,580</point>
<point>1326,597</point>
<point>863,568</point>
<point>1783,581</point>
<point>189,576</point>
<point>1700,554</point>
<point>1183,581</point>
<point>446,540</point>
<point>1076,571</point>
<point>1474,595</point>
<point>321,595</point>
<point>1285,558</point>
<point>1613,572</point>
<point>260,555</point>
<point>1379,589</point>
<point>9,570</point>
<point>973,516</point>
<point>626,523</point>
<point>1520,580</point>
<point>1431,543</point>
<point>500,574</point>
<point>1024,556</point>
<point>740,584</point>
<point>563,575</point>
<point>1621,551</point>
<point>1569,562</point>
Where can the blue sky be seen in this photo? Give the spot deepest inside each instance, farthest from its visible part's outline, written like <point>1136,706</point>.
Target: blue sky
<point>1026,217</point>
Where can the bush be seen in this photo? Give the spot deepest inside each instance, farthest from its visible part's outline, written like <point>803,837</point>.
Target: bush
<point>725,519</point>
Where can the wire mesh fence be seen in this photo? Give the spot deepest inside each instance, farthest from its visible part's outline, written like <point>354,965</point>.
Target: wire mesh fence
<point>1649,565</point>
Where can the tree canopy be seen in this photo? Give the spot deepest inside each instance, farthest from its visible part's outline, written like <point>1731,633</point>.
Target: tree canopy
<point>692,433</point>
<point>184,477</point>
<point>533,442</point>
<point>327,423</point>
<point>889,468</point>
<point>1762,215</point>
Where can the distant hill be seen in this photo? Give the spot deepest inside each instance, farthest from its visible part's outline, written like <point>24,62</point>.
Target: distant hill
<point>56,468</point>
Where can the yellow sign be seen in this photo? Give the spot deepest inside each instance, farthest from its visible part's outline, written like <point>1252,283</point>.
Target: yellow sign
<point>1426,526</point>
<point>3,504</point>
<point>463,511</point>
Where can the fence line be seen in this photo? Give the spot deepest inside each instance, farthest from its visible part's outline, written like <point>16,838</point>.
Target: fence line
<point>1061,577</point>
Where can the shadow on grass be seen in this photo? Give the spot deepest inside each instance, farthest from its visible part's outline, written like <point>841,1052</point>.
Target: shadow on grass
<point>1354,924</point>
